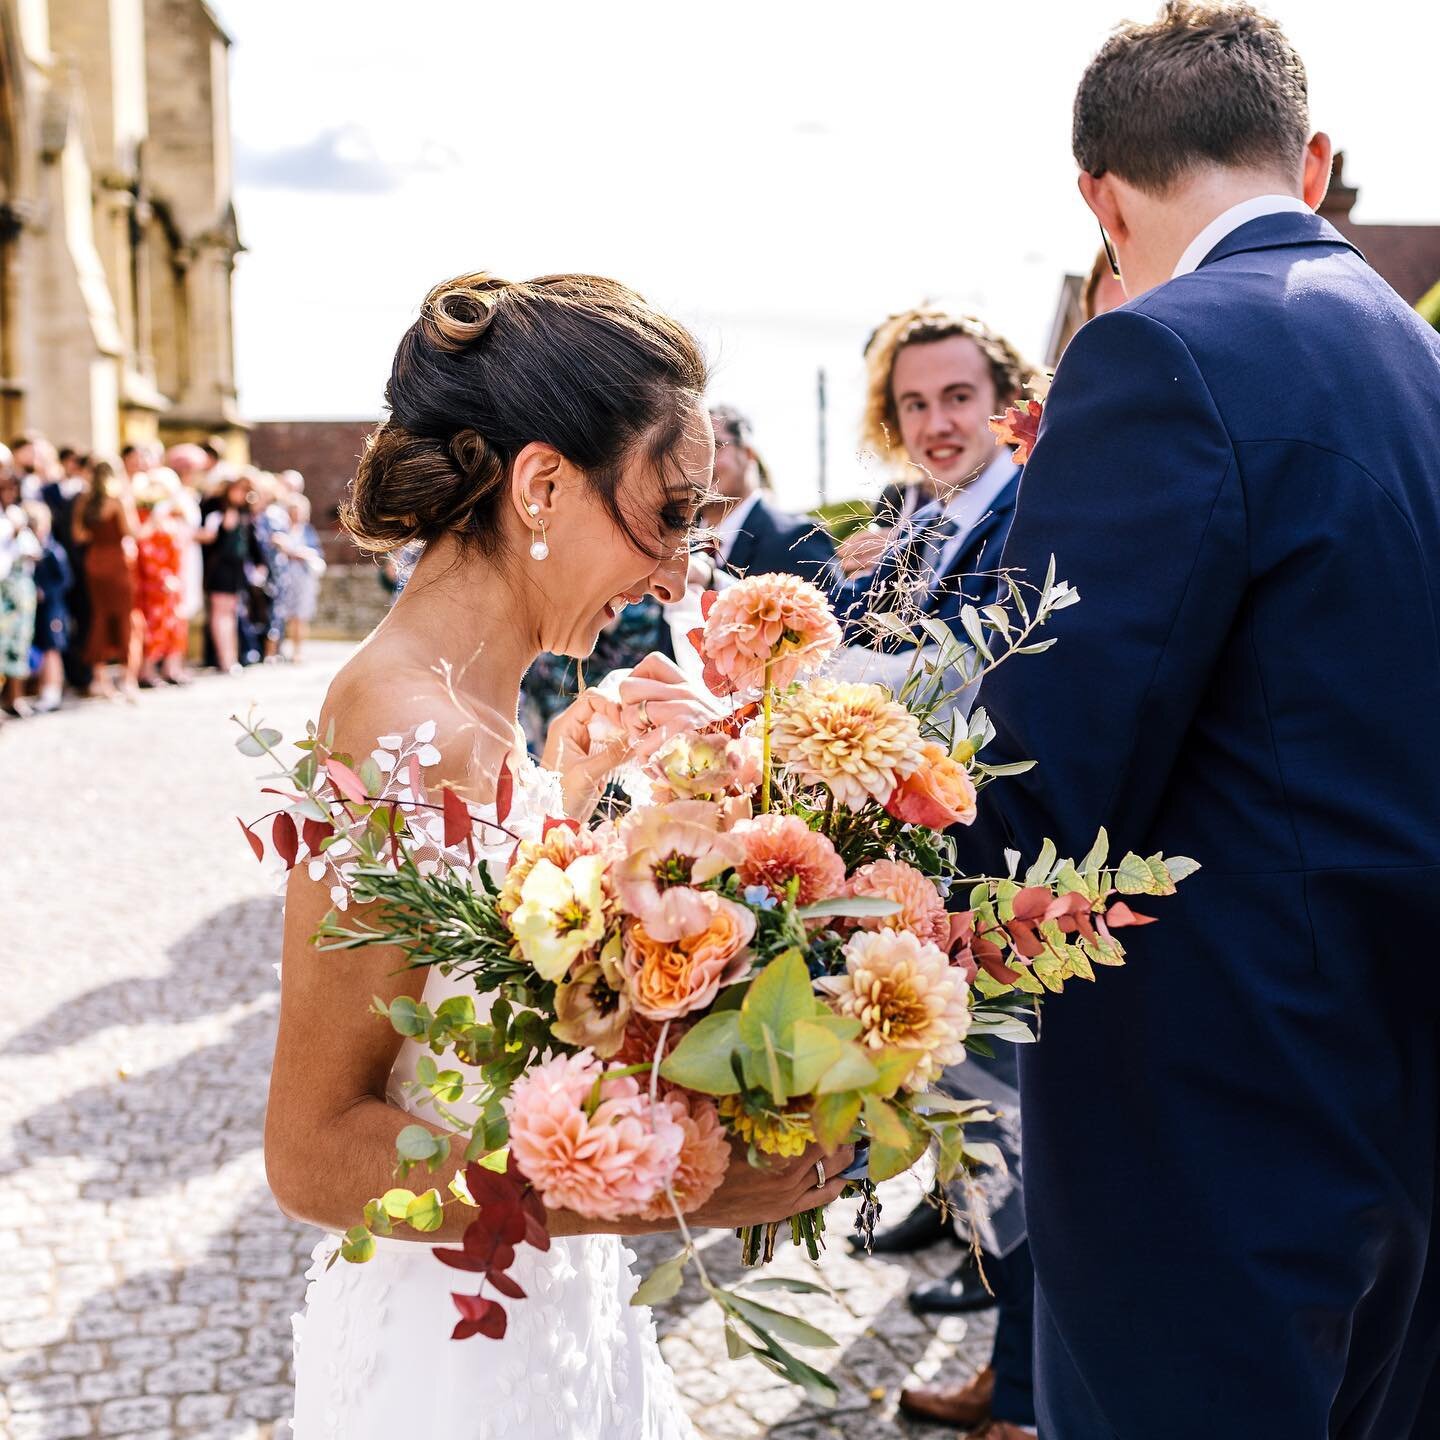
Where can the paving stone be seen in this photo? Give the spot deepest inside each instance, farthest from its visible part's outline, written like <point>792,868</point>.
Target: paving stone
<point>67,1424</point>
<point>116,1383</point>
<point>193,1410</point>
<point>144,1413</point>
<point>181,1377</point>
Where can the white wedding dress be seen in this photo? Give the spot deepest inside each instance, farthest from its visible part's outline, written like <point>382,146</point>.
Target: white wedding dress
<point>373,1357</point>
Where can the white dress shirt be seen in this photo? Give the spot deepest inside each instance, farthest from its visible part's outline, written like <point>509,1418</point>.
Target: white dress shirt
<point>1233,219</point>
<point>730,524</point>
<point>969,505</point>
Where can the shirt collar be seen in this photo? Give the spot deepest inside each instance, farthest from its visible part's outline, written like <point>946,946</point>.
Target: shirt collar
<point>968,505</point>
<point>729,525</point>
<point>1231,220</point>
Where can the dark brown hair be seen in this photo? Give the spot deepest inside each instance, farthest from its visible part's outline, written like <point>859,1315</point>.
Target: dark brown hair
<point>1205,84</point>
<point>880,425</point>
<point>576,361</point>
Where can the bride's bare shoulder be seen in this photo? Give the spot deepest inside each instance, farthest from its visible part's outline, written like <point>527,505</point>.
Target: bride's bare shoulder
<point>377,695</point>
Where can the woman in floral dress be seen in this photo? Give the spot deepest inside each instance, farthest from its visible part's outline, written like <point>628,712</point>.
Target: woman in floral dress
<point>163,537</point>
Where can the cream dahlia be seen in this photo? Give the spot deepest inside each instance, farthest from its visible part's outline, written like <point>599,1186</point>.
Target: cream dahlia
<point>850,737</point>
<point>906,996</point>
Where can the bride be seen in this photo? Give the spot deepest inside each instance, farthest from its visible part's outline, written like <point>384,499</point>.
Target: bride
<point>548,446</point>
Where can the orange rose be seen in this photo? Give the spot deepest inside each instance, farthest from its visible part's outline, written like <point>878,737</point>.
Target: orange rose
<point>938,793</point>
<point>669,978</point>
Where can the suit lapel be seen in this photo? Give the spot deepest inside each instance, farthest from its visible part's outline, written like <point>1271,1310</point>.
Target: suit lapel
<point>749,539</point>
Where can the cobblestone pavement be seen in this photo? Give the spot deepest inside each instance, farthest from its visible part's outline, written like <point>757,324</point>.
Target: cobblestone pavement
<point>146,1278</point>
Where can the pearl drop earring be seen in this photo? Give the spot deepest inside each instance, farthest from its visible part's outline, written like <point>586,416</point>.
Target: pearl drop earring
<point>538,548</point>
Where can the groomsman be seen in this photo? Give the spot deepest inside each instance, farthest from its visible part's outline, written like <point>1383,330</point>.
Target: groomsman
<point>1239,470</point>
<point>752,536</point>
<point>936,374</point>
<point>935,380</point>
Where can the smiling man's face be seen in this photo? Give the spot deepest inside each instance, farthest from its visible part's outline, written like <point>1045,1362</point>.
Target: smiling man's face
<point>944,395</point>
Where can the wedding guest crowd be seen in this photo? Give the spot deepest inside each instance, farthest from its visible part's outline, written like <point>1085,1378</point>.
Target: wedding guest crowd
<point>105,564</point>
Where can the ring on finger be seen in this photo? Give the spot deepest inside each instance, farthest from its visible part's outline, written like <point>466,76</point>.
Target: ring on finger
<point>819,1174</point>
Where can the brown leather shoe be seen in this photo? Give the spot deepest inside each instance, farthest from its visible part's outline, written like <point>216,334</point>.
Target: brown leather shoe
<point>962,1405</point>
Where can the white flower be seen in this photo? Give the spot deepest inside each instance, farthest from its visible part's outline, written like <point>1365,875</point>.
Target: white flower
<point>561,913</point>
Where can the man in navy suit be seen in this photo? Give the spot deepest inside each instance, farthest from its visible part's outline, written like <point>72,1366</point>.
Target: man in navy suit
<point>1235,1136</point>
<point>754,538</point>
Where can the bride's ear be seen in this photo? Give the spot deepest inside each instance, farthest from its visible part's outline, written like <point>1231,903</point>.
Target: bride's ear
<point>535,482</point>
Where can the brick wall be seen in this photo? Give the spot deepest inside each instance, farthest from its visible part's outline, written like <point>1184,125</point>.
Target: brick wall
<point>325,453</point>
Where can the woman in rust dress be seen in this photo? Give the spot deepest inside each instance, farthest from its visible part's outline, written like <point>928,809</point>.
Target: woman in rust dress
<point>106,524</point>
<point>163,537</point>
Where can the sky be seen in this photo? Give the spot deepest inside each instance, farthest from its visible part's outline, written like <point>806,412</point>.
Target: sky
<point>780,174</point>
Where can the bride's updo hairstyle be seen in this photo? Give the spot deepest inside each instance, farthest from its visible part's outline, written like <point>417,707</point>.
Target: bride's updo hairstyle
<point>575,361</point>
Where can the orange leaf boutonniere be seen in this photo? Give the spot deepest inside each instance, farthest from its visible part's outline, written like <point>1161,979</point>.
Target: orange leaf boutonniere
<point>1019,426</point>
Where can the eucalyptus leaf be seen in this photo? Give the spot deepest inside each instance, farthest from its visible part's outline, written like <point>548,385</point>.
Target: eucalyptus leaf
<point>663,1282</point>
<point>358,1246</point>
<point>769,1321</point>
<point>426,1212</point>
<point>785,1282</point>
<point>701,1061</point>
<point>850,906</point>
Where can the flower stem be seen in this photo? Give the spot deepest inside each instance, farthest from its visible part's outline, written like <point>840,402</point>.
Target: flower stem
<point>765,709</point>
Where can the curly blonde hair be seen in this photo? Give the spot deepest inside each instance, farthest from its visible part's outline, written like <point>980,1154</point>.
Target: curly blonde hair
<point>880,424</point>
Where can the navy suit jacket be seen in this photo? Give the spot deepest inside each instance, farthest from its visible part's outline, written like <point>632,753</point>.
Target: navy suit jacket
<point>771,542</point>
<point>1230,1144</point>
<point>969,578</point>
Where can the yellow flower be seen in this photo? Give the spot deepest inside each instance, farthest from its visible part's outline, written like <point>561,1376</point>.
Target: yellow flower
<point>851,737</point>
<point>775,1132</point>
<point>906,996</point>
<point>561,913</point>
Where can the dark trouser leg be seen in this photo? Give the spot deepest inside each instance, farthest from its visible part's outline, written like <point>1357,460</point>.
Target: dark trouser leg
<point>1013,1280</point>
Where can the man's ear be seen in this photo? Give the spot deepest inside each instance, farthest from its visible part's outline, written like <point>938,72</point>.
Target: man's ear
<point>1103,198</point>
<point>1319,154</point>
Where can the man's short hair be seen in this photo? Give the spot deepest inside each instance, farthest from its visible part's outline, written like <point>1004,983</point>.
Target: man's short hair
<point>1205,84</point>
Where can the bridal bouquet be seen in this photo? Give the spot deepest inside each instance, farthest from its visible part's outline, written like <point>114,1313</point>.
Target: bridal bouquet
<point>772,946</point>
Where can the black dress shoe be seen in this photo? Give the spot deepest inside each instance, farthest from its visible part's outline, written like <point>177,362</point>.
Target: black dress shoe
<point>960,1293</point>
<point>920,1229</point>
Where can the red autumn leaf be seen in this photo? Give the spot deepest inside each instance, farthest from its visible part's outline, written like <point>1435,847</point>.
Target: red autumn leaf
<point>1072,912</point>
<point>346,781</point>
<point>504,791</point>
<point>483,1243</point>
<point>316,833</point>
<point>706,601</point>
<point>697,638</point>
<point>1025,938</point>
<point>1121,914</point>
<point>490,1187</point>
<point>991,959</point>
<point>285,839</point>
<point>505,1285</point>
<point>555,822</point>
<point>537,1231</point>
<point>256,843</point>
<point>458,822</point>
<point>735,721</point>
<point>481,1317</point>
<point>459,1260</point>
<point>1032,902</point>
<point>1019,426</point>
